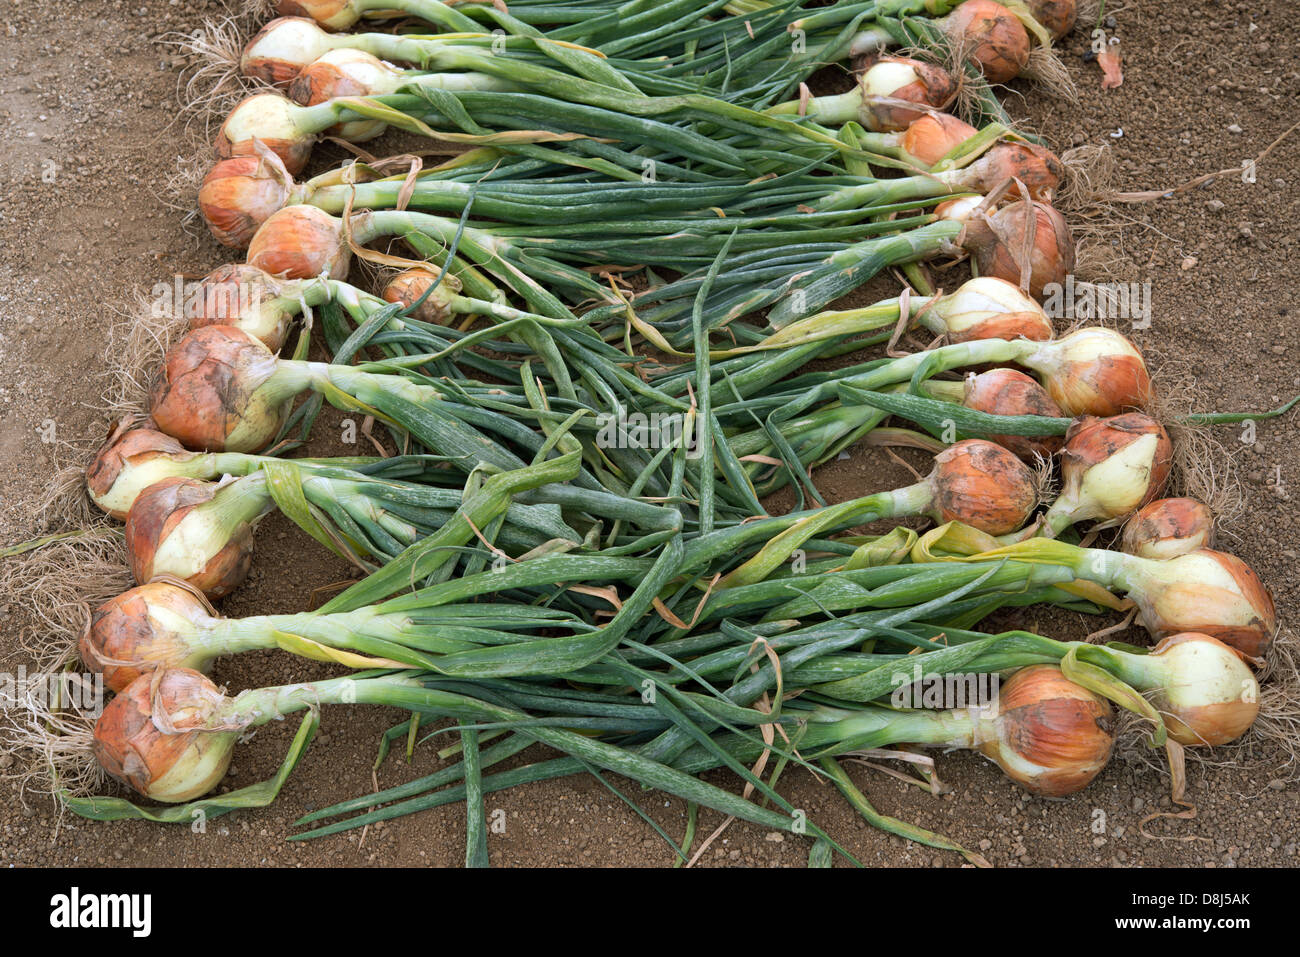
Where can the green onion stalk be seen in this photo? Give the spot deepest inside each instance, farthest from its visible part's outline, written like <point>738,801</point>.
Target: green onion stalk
<point>202,532</point>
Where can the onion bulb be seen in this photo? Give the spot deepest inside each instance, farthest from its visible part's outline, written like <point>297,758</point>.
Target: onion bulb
<point>144,629</point>
<point>280,50</point>
<point>988,308</point>
<point>129,462</point>
<point>1093,371</point>
<point>997,240</point>
<point>346,72</point>
<point>239,194</point>
<point>983,485</point>
<point>199,532</point>
<point>992,36</point>
<point>1169,527</point>
<point>1056,16</point>
<point>246,298</point>
<point>270,119</point>
<point>889,79</point>
<point>932,136</point>
<point>1111,467</point>
<point>408,286</point>
<point>210,392</point>
<point>300,242</point>
<point>151,736</point>
<point>1011,392</point>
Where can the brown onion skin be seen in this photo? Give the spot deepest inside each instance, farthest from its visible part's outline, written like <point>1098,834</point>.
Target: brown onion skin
<point>1169,526</point>
<point>1008,325</point>
<point>300,242</point>
<point>931,137</point>
<point>933,90</point>
<point>1011,392</point>
<point>1051,722</point>
<point>1056,16</point>
<point>320,82</point>
<point>293,153</point>
<point>123,642</point>
<point>998,41</point>
<point>130,746</point>
<point>154,516</point>
<point>984,486</point>
<point>238,195</point>
<point>119,450</point>
<point>408,286</point>
<point>1051,259</point>
<point>216,299</point>
<point>1252,638</point>
<point>1092,439</point>
<point>1035,166</point>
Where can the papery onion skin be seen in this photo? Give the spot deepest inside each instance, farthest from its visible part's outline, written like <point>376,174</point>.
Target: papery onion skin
<point>346,72</point>
<point>137,632</point>
<point>279,51</point>
<point>160,512</point>
<point>1210,696</point>
<point>241,193</point>
<point>1050,735</point>
<point>1056,16</point>
<point>1095,371</point>
<point>110,481</point>
<point>1113,466</point>
<point>1169,527</point>
<point>301,242</point>
<point>1011,392</point>
<point>242,296</point>
<point>208,394</point>
<point>408,286</point>
<point>984,486</point>
<point>170,766</point>
<point>993,36</point>
<point>997,244</point>
<point>1209,592</point>
<point>1037,167</point>
<point>928,85</point>
<point>266,118</point>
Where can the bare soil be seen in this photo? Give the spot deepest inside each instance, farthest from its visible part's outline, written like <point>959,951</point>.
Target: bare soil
<point>88,133</point>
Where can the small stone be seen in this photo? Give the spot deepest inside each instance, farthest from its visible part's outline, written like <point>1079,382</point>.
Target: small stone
<point>1188,263</point>
<point>1215,205</point>
<point>1277,784</point>
<point>1234,128</point>
<point>776,837</point>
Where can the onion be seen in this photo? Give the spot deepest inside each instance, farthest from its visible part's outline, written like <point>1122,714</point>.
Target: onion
<point>1111,468</point>
<point>151,738</point>
<point>210,393</point>
<point>241,193</point>
<point>300,242</point>
<point>346,72</point>
<point>958,210</point>
<point>1093,371</point>
<point>199,532</point>
<point>1203,690</point>
<point>407,287</point>
<point>988,308</point>
<point>1056,16</point>
<point>1011,392</point>
<point>1205,591</point>
<point>983,485</point>
<point>1050,735</point>
<point>282,48</point>
<point>997,242</point>
<point>932,136</point>
<point>129,462</point>
<point>1035,166</point>
<point>144,629</point>
<point>992,36</point>
<point>1169,527</point>
<point>892,78</point>
<point>267,117</point>
<point>331,14</point>
<point>246,298</point>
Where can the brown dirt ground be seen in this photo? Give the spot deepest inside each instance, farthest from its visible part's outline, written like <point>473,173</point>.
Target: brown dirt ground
<point>1205,89</point>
